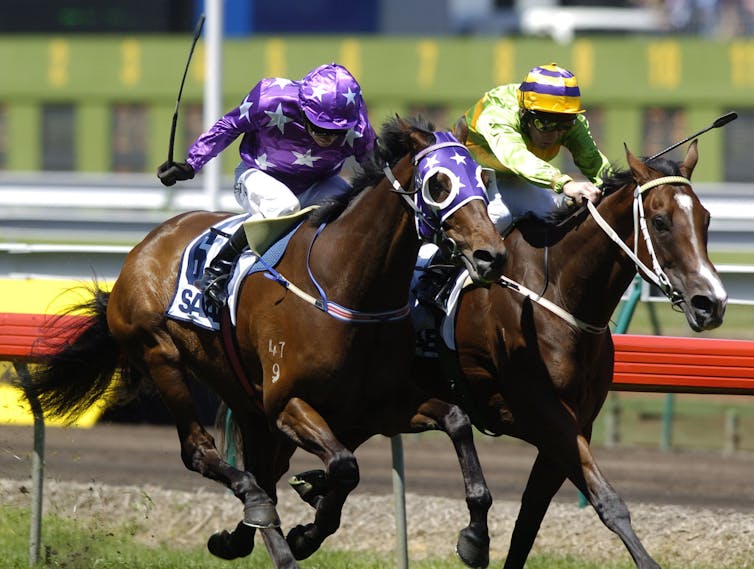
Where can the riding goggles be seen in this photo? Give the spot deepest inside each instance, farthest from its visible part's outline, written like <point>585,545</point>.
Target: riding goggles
<point>546,125</point>
<point>315,130</point>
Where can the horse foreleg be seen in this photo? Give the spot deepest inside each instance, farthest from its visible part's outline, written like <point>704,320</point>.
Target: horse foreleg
<point>545,478</point>
<point>608,504</point>
<point>474,541</point>
<point>305,427</point>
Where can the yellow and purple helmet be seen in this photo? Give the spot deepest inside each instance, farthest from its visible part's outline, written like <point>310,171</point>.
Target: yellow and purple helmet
<point>550,89</point>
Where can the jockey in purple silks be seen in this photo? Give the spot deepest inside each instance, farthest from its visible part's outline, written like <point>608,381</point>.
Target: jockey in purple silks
<point>296,136</point>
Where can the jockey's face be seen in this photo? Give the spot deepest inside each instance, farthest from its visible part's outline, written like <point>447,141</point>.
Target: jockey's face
<point>543,140</point>
<point>321,136</point>
<point>546,129</point>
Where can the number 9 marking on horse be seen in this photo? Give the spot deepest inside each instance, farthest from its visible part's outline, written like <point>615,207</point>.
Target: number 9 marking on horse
<point>275,372</point>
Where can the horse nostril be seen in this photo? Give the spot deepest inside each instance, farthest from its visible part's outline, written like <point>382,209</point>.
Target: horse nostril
<point>702,304</point>
<point>482,256</point>
<point>489,262</point>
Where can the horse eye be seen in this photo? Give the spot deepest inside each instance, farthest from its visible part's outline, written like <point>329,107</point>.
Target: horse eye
<point>439,187</point>
<point>660,223</point>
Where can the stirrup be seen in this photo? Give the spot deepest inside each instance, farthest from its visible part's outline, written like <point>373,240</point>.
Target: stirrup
<point>215,291</point>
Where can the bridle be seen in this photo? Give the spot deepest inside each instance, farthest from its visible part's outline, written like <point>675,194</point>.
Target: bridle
<point>429,215</point>
<point>655,274</point>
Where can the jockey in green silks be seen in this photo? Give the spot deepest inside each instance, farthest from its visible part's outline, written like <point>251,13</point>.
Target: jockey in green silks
<point>517,130</point>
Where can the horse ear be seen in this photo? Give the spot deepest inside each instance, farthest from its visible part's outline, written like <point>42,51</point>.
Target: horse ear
<point>689,163</point>
<point>420,139</point>
<point>639,169</point>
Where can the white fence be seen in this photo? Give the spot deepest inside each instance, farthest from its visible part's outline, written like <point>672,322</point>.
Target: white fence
<point>122,208</point>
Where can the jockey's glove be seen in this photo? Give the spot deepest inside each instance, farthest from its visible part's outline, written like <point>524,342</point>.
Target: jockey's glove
<point>171,172</point>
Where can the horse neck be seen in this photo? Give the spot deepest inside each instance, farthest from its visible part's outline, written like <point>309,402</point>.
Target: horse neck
<point>382,247</point>
<point>591,271</point>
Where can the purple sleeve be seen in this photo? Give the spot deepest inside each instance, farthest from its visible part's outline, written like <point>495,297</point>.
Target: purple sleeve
<point>222,134</point>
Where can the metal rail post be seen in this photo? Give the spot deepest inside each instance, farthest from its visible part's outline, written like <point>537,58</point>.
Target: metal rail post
<point>37,465</point>
<point>399,496</point>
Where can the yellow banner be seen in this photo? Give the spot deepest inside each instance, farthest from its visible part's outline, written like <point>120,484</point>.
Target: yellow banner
<point>39,296</point>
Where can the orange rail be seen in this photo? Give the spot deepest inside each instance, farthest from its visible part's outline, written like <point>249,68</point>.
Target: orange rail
<point>20,334</point>
<point>642,363</point>
<point>683,365</point>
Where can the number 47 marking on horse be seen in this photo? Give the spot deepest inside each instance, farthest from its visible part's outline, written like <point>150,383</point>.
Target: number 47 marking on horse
<point>274,347</point>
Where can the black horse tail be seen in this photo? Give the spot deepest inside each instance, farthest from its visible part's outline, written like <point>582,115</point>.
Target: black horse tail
<point>78,369</point>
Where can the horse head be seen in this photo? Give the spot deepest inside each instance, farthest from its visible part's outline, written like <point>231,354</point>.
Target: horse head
<point>674,224</point>
<point>450,201</point>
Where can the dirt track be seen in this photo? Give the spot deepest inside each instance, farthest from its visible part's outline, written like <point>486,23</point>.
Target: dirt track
<point>128,454</point>
<point>686,506</point>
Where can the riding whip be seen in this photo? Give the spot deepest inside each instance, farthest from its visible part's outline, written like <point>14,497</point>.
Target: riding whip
<point>197,33</point>
<point>719,121</point>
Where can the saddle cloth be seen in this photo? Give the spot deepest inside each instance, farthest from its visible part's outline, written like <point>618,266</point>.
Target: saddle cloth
<point>187,304</point>
<point>432,322</point>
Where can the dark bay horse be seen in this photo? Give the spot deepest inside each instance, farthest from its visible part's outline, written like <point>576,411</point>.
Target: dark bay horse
<point>317,381</point>
<point>542,377</point>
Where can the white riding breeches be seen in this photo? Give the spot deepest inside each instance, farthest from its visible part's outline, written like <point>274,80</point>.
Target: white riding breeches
<point>264,196</point>
<point>511,200</point>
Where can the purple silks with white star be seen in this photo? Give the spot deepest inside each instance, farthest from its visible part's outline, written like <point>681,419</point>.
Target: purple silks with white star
<point>275,140</point>
<point>453,159</point>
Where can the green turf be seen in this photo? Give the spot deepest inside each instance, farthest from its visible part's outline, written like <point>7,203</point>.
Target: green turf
<point>69,545</point>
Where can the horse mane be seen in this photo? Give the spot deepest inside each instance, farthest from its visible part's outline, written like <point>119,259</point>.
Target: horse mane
<point>391,146</point>
<point>620,177</point>
<point>540,234</point>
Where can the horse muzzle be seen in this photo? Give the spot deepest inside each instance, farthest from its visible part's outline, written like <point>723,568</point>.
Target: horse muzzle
<point>704,312</point>
<point>486,265</point>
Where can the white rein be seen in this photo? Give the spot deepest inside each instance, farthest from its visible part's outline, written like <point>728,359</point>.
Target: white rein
<point>656,274</point>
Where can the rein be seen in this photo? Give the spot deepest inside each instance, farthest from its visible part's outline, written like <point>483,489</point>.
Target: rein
<point>656,274</point>
<point>329,307</point>
<point>336,310</point>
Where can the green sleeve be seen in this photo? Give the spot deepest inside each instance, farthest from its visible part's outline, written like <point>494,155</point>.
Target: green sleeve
<point>500,128</point>
<point>587,157</point>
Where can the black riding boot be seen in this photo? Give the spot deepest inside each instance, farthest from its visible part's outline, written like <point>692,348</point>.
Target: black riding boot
<point>213,282</point>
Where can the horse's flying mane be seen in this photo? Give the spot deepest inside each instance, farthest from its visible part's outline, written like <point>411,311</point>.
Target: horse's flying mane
<point>393,144</point>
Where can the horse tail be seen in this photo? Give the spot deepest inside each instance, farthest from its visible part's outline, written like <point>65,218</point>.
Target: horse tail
<point>79,365</point>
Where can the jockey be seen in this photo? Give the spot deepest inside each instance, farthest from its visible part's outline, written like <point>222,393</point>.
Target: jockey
<point>516,130</point>
<point>296,136</point>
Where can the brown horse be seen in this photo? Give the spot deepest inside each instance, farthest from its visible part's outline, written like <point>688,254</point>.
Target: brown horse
<point>542,377</point>
<point>316,381</point>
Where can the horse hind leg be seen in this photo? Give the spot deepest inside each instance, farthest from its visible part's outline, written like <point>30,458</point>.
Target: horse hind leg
<point>473,545</point>
<point>200,454</point>
<point>308,430</point>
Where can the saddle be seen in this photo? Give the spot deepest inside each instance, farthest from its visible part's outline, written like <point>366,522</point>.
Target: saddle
<point>262,233</point>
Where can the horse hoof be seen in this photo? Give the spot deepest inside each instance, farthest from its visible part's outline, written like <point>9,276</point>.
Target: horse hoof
<point>473,550</point>
<point>229,546</point>
<point>310,486</point>
<point>301,545</point>
<point>262,516</point>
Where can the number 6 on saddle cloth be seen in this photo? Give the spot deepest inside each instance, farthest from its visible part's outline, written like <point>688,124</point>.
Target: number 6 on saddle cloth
<point>267,237</point>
